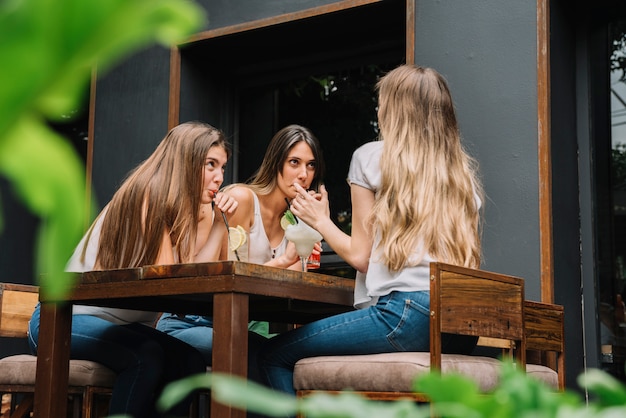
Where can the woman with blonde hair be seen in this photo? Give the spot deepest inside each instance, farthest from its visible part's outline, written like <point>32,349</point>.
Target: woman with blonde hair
<point>415,196</point>
<point>162,214</point>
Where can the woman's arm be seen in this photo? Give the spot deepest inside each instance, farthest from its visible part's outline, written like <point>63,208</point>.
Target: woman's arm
<point>290,258</point>
<point>166,254</point>
<point>355,249</point>
<point>216,245</point>
<point>212,235</point>
<point>244,215</point>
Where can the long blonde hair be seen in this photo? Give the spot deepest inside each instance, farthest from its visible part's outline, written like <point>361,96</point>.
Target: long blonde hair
<point>162,193</point>
<point>427,199</point>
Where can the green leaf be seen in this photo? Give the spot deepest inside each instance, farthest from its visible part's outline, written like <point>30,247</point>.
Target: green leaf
<point>230,390</point>
<point>238,392</point>
<point>53,45</point>
<point>608,390</point>
<point>49,177</point>
<point>453,395</point>
<point>49,49</point>
<point>351,405</point>
<point>290,217</point>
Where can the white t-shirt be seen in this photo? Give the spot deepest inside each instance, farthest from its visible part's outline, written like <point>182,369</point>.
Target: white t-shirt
<point>365,172</point>
<point>75,264</point>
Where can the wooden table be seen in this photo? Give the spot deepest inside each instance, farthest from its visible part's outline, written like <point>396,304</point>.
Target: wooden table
<point>232,292</point>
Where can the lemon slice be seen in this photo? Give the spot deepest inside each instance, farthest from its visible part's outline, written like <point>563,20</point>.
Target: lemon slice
<point>236,237</point>
<point>287,219</point>
<point>284,222</point>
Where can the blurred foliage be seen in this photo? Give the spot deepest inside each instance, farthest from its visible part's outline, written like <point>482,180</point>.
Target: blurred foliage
<point>618,63</point>
<point>344,221</point>
<point>618,48</point>
<point>453,396</point>
<point>49,50</point>
<point>618,167</point>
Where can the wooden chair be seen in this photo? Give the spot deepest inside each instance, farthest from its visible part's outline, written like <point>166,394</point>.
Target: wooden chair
<point>463,301</point>
<point>545,334</point>
<point>89,383</point>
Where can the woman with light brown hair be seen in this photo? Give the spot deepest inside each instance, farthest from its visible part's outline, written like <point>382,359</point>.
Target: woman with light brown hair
<point>415,197</point>
<point>163,213</point>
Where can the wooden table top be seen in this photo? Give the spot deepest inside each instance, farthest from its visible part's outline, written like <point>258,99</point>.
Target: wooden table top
<point>188,288</point>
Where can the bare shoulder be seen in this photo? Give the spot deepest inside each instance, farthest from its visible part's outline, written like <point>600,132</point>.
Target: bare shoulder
<point>242,193</point>
<point>244,214</point>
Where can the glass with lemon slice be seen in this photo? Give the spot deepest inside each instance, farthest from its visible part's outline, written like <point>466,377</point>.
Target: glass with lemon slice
<point>288,219</point>
<point>303,236</point>
<point>238,239</point>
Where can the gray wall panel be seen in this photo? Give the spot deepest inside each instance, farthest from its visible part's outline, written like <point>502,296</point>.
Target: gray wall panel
<point>231,12</point>
<point>489,60</point>
<point>132,103</point>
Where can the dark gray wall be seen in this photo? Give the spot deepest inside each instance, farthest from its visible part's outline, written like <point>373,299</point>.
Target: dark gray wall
<point>231,12</point>
<point>131,117</point>
<point>17,259</point>
<point>487,51</point>
<point>567,228</point>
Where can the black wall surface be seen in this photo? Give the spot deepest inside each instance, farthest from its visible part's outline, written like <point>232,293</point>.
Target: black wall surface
<point>16,252</point>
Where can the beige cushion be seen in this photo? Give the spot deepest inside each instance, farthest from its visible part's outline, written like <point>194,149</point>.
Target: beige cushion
<point>388,372</point>
<point>20,370</point>
<point>543,374</point>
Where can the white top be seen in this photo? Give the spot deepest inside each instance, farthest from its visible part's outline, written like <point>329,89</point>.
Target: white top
<point>260,251</point>
<point>365,172</point>
<point>75,264</point>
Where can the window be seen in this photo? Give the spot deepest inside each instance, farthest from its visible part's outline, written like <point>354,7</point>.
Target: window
<point>316,71</point>
<point>613,282</point>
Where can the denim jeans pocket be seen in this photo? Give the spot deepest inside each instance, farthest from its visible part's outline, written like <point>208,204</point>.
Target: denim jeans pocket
<point>412,331</point>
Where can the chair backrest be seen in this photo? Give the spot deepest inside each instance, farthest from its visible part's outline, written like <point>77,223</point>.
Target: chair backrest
<point>545,332</point>
<point>17,303</point>
<point>476,302</point>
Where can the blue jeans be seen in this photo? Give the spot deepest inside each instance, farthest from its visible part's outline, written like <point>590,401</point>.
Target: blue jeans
<point>399,321</point>
<point>143,358</point>
<point>197,331</point>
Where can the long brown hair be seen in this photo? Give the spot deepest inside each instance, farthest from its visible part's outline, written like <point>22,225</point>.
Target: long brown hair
<point>162,193</point>
<point>429,183</point>
<point>265,178</point>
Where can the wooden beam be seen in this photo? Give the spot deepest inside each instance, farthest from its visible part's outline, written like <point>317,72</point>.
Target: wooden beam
<point>544,151</point>
<point>276,20</point>
<point>90,144</point>
<point>410,32</point>
<point>173,110</point>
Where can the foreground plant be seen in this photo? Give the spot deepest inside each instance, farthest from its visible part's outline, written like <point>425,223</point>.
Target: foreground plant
<point>453,396</point>
<point>49,49</point>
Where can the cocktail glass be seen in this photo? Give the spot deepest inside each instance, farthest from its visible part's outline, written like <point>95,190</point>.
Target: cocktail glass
<point>304,237</point>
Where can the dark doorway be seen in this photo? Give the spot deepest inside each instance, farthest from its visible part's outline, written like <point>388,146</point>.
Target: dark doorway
<point>319,72</point>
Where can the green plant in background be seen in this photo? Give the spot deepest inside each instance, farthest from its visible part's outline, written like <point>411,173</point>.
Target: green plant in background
<point>618,167</point>
<point>344,221</point>
<point>49,49</point>
<point>516,396</point>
